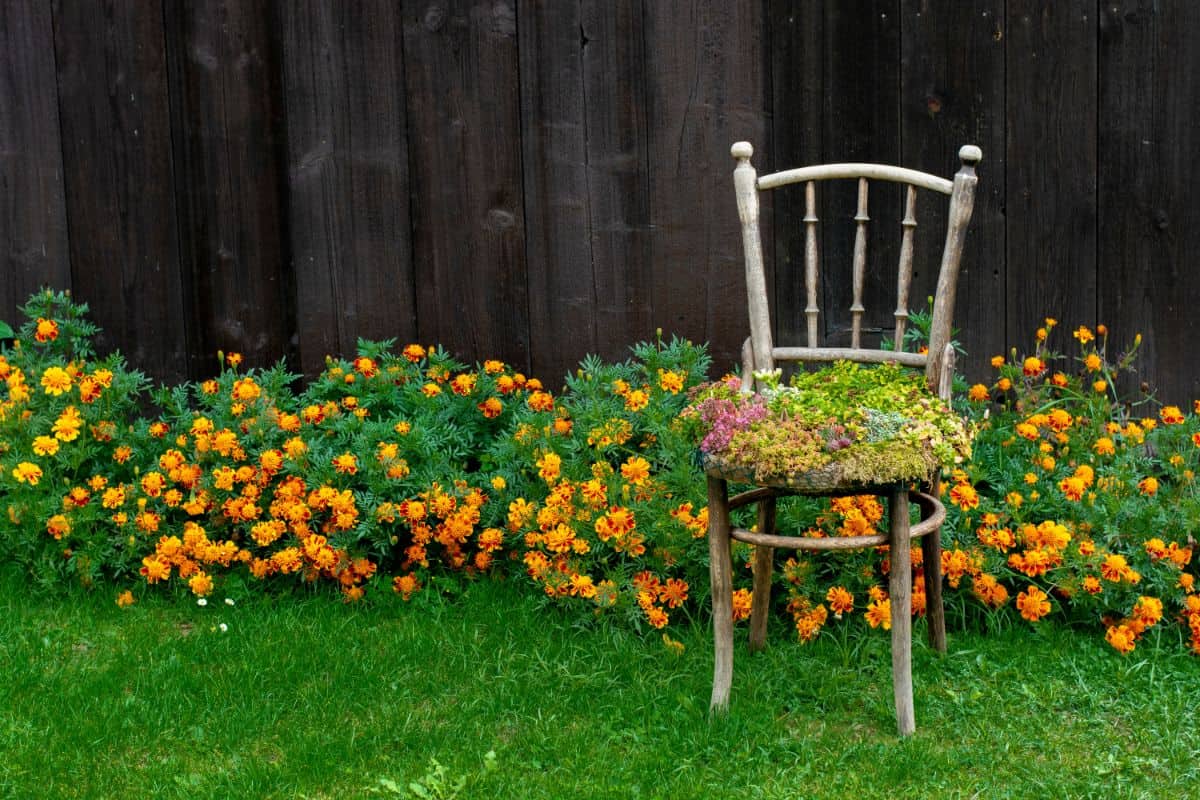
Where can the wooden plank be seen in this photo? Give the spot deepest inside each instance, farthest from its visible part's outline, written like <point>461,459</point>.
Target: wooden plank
<point>562,301</point>
<point>952,93</point>
<point>464,134</point>
<point>614,85</point>
<point>224,111</point>
<point>33,213</point>
<point>797,75</point>
<point>1050,164</point>
<point>861,123</point>
<point>347,165</point>
<point>113,108</point>
<point>706,91</point>
<point>1149,223</point>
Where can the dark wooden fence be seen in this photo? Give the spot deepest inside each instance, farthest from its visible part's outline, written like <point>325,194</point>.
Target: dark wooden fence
<point>535,180</point>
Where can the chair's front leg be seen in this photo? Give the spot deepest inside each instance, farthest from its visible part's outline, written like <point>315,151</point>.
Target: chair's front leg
<point>721,570</point>
<point>900,592</point>
<point>764,558</point>
<point>931,557</point>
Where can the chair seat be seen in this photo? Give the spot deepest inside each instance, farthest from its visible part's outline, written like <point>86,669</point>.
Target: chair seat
<point>839,477</point>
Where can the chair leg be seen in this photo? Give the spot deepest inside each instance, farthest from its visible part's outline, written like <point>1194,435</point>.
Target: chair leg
<point>764,558</point>
<point>721,570</point>
<point>900,592</point>
<point>935,611</point>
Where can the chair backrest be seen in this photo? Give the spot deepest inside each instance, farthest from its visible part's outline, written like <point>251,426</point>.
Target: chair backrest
<point>761,354</point>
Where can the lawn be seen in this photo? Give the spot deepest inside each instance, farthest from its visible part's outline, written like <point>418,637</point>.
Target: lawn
<point>303,696</point>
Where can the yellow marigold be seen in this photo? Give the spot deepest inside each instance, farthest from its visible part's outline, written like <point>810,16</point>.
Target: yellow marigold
<point>491,407</point>
<point>1100,387</point>
<point>66,427</point>
<point>1033,604</point>
<point>1148,486</point>
<point>540,401</point>
<point>549,466</point>
<point>346,463</point>
<point>45,445</point>
<point>405,585</point>
<point>1104,446</point>
<point>56,380</point>
<point>125,599</point>
<point>58,526</point>
<point>1092,362</point>
<point>997,361</point>
<point>1091,585</point>
<point>431,390</point>
<point>1084,334</point>
<point>1072,488</point>
<point>636,400</point>
<point>413,352</point>
<point>245,390</point>
<point>1058,379</point>
<point>1171,415</point>
<point>1060,420</point>
<point>989,591</point>
<point>879,614</point>
<point>27,472</point>
<point>1004,384</point>
<point>1033,366</point>
<point>636,470</point>
<point>670,381</point>
<point>1027,431</point>
<point>978,393</point>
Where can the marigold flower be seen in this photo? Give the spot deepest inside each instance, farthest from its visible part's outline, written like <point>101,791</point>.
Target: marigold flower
<point>636,470</point>
<point>431,390</point>
<point>234,360</point>
<point>1033,366</point>
<point>742,601</point>
<point>1033,604</point>
<point>997,361</point>
<point>1004,384</point>
<point>200,584</point>
<point>1100,387</point>
<point>989,591</point>
<point>1170,415</point>
<point>1084,334</point>
<point>879,614</point>
<point>964,496</point>
<point>1092,362</point>
<point>540,401</point>
<point>1148,486</point>
<point>1091,585</point>
<point>670,381</point>
<point>125,599</point>
<point>346,463</point>
<point>27,472</point>
<point>840,600</point>
<point>46,330</point>
<point>978,393</point>
<point>636,400</point>
<point>491,407</point>
<point>1122,638</point>
<point>56,380</point>
<point>1072,488</point>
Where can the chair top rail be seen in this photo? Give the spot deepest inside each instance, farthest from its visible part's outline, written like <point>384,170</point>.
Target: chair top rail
<point>881,172</point>
<point>849,354</point>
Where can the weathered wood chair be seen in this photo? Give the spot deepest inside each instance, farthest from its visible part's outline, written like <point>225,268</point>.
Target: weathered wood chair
<point>759,354</point>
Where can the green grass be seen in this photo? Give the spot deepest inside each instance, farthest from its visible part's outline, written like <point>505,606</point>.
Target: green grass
<point>305,697</point>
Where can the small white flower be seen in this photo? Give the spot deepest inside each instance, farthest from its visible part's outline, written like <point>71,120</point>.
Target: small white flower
<point>228,601</point>
<point>224,628</point>
<point>203,601</point>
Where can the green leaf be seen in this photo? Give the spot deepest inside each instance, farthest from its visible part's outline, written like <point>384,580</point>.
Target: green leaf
<point>6,331</point>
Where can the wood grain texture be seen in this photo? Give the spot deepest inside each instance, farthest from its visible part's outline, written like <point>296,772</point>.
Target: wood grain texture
<point>705,91</point>
<point>468,216</point>
<point>116,138</point>
<point>225,121</point>
<point>347,176</point>
<point>34,249</point>
<point>953,93</point>
<point>796,73</point>
<point>862,123</point>
<point>1149,223</point>
<point>614,85</point>
<point>558,220</point>
<point>1050,163</point>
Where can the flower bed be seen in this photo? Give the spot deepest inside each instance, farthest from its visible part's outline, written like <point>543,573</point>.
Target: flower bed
<point>406,470</point>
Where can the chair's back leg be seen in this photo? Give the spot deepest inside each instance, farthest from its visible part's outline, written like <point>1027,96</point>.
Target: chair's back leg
<point>764,558</point>
<point>900,592</point>
<point>931,557</point>
<point>721,570</point>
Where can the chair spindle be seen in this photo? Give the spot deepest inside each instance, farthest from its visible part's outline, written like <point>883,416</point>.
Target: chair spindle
<point>812,310</point>
<point>860,265</point>
<point>906,264</point>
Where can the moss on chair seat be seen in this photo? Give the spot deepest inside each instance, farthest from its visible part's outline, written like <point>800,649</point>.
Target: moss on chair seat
<point>842,425</point>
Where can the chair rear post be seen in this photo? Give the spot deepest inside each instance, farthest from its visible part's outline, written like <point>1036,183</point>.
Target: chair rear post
<point>904,274</point>
<point>962,203</point>
<point>812,310</point>
<point>745,181</point>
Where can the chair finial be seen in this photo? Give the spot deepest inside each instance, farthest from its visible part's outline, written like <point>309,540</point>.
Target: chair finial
<point>742,151</point>
<point>970,154</point>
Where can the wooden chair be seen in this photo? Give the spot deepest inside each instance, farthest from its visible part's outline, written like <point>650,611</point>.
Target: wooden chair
<point>759,354</point>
